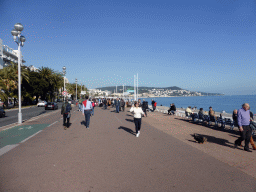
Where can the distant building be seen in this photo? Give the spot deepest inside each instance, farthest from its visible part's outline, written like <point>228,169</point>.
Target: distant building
<point>8,55</point>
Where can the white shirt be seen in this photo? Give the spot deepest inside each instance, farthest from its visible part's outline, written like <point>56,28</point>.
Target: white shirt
<point>88,106</point>
<point>137,112</point>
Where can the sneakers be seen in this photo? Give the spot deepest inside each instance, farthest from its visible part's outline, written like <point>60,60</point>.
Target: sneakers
<point>138,134</point>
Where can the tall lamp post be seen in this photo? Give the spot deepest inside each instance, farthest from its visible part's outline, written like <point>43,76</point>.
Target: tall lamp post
<point>19,39</point>
<point>64,74</point>
<point>76,89</point>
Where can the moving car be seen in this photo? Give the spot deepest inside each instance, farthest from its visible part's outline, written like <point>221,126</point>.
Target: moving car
<point>41,104</point>
<point>51,105</point>
<point>2,112</point>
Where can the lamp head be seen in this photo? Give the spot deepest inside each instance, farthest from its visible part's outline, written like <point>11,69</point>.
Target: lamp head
<point>19,27</point>
<point>22,39</point>
<point>64,68</point>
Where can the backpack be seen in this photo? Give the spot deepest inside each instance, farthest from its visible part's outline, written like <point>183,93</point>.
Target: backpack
<point>155,104</point>
<point>68,108</point>
<point>93,104</point>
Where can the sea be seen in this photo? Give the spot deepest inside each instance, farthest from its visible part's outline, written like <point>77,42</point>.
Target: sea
<point>218,103</point>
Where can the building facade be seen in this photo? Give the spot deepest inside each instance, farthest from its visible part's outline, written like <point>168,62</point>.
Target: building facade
<point>8,55</point>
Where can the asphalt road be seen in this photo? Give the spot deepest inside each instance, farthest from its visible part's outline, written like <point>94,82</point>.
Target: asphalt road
<point>27,113</point>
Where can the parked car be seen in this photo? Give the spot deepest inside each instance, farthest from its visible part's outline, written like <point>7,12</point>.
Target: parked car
<point>41,104</point>
<point>51,105</point>
<point>2,112</point>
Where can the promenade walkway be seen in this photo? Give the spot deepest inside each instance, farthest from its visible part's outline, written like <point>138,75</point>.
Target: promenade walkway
<point>108,157</point>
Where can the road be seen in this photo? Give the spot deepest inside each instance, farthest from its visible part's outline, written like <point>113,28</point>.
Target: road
<point>27,113</point>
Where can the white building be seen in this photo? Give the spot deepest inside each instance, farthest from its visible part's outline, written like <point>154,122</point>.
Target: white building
<point>8,55</point>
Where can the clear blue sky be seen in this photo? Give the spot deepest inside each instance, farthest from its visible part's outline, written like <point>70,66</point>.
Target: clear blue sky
<point>204,45</point>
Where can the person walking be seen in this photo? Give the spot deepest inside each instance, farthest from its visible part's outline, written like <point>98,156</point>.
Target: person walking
<point>153,104</point>
<point>145,107</point>
<point>137,117</point>
<point>86,110</point>
<point>66,113</point>
<point>122,103</point>
<point>105,103</point>
<point>243,120</point>
<point>93,105</point>
<point>117,104</point>
<point>80,103</point>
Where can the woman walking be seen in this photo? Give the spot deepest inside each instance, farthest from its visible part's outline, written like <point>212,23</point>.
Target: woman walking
<point>137,117</point>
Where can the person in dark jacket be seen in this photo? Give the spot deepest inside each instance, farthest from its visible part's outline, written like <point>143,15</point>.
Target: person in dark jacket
<point>145,107</point>
<point>153,104</point>
<point>117,104</point>
<point>172,109</point>
<point>66,112</point>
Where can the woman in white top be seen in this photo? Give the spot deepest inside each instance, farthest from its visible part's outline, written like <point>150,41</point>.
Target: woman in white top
<point>137,117</point>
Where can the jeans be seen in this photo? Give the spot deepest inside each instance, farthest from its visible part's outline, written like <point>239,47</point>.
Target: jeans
<point>137,122</point>
<point>80,107</point>
<point>145,111</point>
<point>92,111</point>
<point>117,108</point>
<point>87,114</point>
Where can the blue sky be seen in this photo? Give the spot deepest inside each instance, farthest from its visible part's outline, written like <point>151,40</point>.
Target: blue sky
<point>197,45</point>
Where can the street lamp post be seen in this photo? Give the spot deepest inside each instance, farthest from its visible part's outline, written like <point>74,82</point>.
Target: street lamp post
<point>76,89</point>
<point>16,32</point>
<point>64,74</point>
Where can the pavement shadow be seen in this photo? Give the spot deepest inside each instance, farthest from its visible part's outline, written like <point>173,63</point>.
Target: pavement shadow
<point>212,126</point>
<point>127,130</point>
<point>130,120</point>
<point>212,139</point>
<point>83,123</point>
<point>129,115</point>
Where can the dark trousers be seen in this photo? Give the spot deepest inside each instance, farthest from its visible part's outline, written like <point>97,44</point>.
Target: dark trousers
<point>145,111</point>
<point>87,114</point>
<point>137,122</point>
<point>122,108</point>
<point>245,135</point>
<point>65,119</point>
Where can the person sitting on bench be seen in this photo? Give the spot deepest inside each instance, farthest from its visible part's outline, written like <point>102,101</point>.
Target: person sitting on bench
<point>188,111</point>
<point>172,109</point>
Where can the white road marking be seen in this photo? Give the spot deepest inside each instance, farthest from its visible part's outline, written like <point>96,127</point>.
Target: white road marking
<point>30,136</point>
<point>20,128</point>
<point>7,148</point>
<point>29,127</point>
<point>118,120</point>
<point>52,124</point>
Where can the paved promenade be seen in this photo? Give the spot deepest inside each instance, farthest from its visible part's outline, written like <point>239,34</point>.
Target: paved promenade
<point>108,157</point>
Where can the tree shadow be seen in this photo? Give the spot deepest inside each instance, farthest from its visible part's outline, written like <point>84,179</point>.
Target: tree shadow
<point>130,120</point>
<point>219,141</point>
<point>127,130</point>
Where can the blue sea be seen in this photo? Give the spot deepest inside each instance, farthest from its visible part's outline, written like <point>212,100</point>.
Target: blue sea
<point>218,103</point>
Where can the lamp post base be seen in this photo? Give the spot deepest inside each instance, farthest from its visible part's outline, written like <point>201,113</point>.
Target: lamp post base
<point>19,118</point>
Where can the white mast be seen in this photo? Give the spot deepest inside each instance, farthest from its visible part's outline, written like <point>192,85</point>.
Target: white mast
<point>137,86</point>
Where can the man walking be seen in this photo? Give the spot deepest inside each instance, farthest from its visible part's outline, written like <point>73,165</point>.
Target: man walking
<point>86,109</point>
<point>243,120</point>
<point>66,113</point>
<point>144,107</point>
<point>153,103</point>
<point>117,104</point>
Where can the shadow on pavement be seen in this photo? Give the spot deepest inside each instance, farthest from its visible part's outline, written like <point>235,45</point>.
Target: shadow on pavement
<point>127,130</point>
<point>219,141</point>
<point>129,115</point>
<point>130,120</point>
<point>83,123</point>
